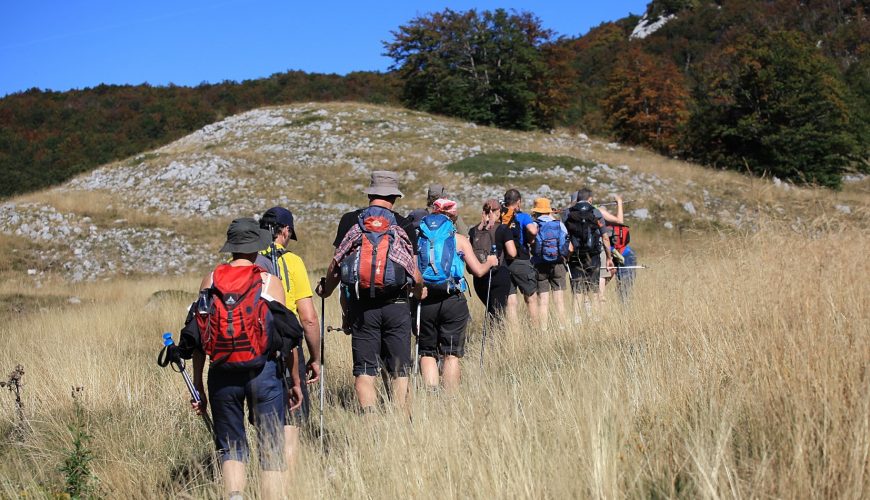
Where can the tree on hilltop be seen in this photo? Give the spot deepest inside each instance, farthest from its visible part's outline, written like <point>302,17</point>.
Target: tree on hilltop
<point>485,67</point>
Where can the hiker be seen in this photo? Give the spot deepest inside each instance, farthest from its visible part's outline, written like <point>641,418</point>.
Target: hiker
<point>609,219</point>
<point>435,192</point>
<point>549,253</point>
<point>624,269</point>
<point>250,374</point>
<point>496,285</point>
<point>375,261</point>
<point>585,225</point>
<point>523,277</point>
<point>290,269</point>
<point>442,256</point>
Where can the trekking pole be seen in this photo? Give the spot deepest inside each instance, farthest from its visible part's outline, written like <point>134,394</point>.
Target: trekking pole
<point>486,310</point>
<point>168,355</point>
<point>609,203</point>
<point>322,358</point>
<point>417,343</point>
<point>627,267</point>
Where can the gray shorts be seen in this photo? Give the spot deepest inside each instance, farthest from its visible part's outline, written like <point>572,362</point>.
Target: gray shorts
<point>550,277</point>
<point>523,277</point>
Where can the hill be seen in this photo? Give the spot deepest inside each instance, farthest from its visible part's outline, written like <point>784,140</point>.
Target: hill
<point>737,369</point>
<point>165,211</point>
<point>675,80</point>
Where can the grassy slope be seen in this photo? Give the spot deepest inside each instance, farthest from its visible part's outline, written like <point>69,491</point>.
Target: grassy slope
<point>740,369</point>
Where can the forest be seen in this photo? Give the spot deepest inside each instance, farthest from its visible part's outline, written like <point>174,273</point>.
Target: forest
<point>768,87</point>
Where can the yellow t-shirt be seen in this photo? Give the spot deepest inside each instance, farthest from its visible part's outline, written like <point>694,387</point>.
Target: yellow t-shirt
<point>294,279</point>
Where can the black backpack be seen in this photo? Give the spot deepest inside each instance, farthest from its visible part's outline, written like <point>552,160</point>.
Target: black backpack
<point>583,226</point>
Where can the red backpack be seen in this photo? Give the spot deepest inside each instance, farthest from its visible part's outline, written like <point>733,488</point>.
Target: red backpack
<point>620,237</point>
<point>238,331</point>
<point>369,268</point>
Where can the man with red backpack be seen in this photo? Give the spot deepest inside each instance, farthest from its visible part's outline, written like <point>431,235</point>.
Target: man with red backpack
<point>239,321</point>
<point>375,262</point>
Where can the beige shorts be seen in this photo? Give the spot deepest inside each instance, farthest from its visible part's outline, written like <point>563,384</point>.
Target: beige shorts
<point>605,273</point>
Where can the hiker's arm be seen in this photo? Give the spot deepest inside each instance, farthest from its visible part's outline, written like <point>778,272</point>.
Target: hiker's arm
<point>332,280</point>
<point>477,269</point>
<point>198,364</point>
<point>274,288</point>
<point>311,327</point>
<point>609,217</point>
<point>419,290</point>
<point>511,248</point>
<point>294,393</point>
<point>605,243</point>
<point>532,228</point>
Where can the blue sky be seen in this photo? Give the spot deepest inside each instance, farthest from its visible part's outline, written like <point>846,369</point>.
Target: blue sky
<point>67,44</point>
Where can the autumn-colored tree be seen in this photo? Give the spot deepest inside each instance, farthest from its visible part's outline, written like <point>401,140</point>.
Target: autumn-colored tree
<point>647,100</point>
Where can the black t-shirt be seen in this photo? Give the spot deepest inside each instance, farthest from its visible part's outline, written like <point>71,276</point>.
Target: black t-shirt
<point>502,235</point>
<point>349,219</point>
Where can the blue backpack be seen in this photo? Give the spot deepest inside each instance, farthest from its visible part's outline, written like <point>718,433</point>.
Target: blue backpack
<point>551,244</point>
<point>440,264</point>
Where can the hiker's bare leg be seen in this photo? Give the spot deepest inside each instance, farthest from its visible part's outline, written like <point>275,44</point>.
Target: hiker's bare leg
<point>270,485</point>
<point>233,472</point>
<point>543,307</point>
<point>559,300</point>
<point>532,304</point>
<point>511,308</point>
<point>429,370</point>
<point>291,445</point>
<point>400,393</point>
<point>364,385</point>
<point>450,373</point>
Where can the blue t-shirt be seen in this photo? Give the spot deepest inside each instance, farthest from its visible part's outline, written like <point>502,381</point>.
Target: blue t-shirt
<point>518,229</point>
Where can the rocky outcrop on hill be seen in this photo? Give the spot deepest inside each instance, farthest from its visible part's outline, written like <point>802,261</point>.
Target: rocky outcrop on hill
<point>316,159</point>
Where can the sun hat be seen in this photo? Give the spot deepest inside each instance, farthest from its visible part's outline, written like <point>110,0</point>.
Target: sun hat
<point>245,236</point>
<point>542,206</point>
<point>435,191</point>
<point>384,183</point>
<point>278,216</point>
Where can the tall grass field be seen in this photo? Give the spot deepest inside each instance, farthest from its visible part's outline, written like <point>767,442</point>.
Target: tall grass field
<point>740,368</point>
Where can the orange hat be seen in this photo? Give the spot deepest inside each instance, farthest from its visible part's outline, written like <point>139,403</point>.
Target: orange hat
<point>542,206</point>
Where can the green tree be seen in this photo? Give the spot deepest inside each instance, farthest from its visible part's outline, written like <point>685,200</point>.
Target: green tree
<point>773,104</point>
<point>486,67</point>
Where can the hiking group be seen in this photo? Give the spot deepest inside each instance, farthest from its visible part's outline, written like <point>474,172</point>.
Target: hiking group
<point>397,277</point>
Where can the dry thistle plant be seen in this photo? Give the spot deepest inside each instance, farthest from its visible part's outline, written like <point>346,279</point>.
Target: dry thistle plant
<point>15,384</point>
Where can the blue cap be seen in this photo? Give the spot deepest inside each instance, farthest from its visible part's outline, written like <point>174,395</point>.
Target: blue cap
<point>278,216</point>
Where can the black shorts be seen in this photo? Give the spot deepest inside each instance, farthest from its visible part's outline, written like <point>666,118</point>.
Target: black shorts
<point>523,277</point>
<point>381,337</point>
<point>585,271</point>
<point>442,325</point>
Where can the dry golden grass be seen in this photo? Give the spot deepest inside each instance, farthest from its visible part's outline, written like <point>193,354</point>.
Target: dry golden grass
<point>739,370</point>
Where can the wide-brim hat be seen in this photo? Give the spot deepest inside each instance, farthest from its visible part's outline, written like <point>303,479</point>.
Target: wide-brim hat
<point>384,183</point>
<point>542,206</point>
<point>245,236</point>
